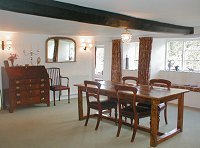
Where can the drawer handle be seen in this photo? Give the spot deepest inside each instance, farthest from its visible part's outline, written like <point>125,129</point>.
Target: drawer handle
<point>18,94</point>
<point>42,91</point>
<point>17,82</point>
<point>30,85</point>
<point>19,102</point>
<point>42,98</point>
<point>42,85</point>
<point>42,80</point>
<point>17,87</point>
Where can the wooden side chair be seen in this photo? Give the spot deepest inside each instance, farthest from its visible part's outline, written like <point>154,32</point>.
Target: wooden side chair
<point>126,79</point>
<point>56,83</point>
<point>95,102</point>
<point>129,78</point>
<point>162,106</point>
<point>132,111</point>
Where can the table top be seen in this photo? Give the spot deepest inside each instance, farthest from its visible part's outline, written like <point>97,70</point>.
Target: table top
<point>144,91</point>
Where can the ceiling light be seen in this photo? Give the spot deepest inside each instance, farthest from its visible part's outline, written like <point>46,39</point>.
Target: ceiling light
<point>126,36</point>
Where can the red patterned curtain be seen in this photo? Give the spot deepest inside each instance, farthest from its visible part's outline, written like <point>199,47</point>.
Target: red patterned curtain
<point>116,70</point>
<point>144,60</point>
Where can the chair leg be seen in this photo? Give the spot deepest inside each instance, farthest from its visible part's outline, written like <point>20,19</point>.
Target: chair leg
<point>116,115</point>
<point>88,115</point>
<point>119,125</point>
<point>54,98</point>
<point>59,94</point>
<point>131,123</point>
<point>134,129</point>
<point>68,95</point>
<point>165,114</point>
<point>110,111</point>
<point>99,118</point>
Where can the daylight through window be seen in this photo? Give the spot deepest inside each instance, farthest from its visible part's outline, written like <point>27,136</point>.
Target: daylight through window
<point>183,55</point>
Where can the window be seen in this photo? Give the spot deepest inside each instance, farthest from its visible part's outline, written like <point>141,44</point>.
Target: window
<point>130,55</point>
<point>99,61</point>
<point>183,55</point>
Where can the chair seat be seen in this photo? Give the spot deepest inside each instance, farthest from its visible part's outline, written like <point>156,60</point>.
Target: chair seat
<point>142,112</point>
<point>58,87</point>
<point>161,106</point>
<point>106,104</point>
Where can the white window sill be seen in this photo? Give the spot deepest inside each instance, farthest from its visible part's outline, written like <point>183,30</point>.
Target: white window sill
<point>180,71</point>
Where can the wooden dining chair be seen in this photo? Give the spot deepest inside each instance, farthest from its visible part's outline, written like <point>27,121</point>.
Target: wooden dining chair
<point>56,83</point>
<point>161,106</point>
<point>95,102</point>
<point>132,111</point>
<point>129,78</point>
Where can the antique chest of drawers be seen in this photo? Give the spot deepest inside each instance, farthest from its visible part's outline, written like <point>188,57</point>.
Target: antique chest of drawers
<point>24,86</point>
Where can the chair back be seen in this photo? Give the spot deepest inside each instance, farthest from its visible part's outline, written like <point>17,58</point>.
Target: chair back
<point>160,82</point>
<point>92,90</point>
<point>126,78</point>
<point>121,91</point>
<point>54,75</point>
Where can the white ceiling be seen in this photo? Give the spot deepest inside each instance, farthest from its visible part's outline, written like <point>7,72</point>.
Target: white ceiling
<point>179,12</point>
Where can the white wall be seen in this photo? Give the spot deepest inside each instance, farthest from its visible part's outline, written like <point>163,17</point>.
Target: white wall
<point>192,99</point>
<point>78,71</point>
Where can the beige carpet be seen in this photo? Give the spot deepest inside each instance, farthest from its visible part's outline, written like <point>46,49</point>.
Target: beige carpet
<point>58,127</point>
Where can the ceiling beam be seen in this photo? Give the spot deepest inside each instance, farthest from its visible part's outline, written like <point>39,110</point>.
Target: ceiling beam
<point>66,11</point>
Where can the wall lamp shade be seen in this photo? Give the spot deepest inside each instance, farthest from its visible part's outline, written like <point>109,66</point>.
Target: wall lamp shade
<point>86,45</point>
<point>7,46</point>
<point>126,36</point>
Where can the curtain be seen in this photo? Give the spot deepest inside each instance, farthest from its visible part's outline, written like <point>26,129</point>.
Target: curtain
<point>116,70</point>
<point>144,60</point>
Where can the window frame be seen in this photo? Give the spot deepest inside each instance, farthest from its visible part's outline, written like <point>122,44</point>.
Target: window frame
<point>136,59</point>
<point>184,40</point>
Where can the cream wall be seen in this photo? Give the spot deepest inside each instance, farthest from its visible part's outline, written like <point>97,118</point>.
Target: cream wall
<point>192,99</point>
<point>77,71</point>
<point>83,68</point>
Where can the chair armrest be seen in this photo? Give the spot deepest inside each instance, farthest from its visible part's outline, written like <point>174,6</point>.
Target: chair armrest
<point>61,77</point>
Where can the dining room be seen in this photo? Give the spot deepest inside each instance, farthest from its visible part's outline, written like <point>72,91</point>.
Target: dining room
<point>169,50</point>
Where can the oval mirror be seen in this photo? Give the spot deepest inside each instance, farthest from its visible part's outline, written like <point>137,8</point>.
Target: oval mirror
<point>60,49</point>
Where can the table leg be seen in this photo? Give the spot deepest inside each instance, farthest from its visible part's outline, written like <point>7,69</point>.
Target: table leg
<point>180,112</point>
<point>80,103</point>
<point>154,123</point>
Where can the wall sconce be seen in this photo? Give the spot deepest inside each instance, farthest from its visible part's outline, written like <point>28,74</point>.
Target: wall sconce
<point>86,45</point>
<point>7,46</point>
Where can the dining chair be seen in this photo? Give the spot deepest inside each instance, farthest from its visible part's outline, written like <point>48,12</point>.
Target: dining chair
<point>127,80</point>
<point>56,82</point>
<point>94,101</point>
<point>161,106</point>
<point>132,111</point>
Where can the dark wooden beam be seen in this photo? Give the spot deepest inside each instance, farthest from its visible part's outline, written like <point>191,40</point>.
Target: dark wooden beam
<point>66,11</point>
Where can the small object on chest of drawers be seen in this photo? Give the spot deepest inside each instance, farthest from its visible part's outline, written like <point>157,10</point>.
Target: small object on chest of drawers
<point>23,86</point>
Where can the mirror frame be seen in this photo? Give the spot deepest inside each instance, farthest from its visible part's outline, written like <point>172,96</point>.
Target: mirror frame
<point>58,37</point>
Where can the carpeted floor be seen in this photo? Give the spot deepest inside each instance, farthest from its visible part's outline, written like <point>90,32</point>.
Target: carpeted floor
<point>58,127</point>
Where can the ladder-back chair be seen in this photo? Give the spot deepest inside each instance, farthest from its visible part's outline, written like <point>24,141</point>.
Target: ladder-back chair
<point>56,82</point>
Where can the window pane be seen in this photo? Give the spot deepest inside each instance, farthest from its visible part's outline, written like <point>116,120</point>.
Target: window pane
<point>130,55</point>
<point>192,45</point>
<point>99,61</point>
<point>192,55</point>
<point>192,66</point>
<point>175,50</point>
<point>183,53</point>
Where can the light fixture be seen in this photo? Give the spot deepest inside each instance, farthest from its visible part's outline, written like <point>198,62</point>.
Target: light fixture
<point>7,46</point>
<point>126,36</point>
<point>86,45</point>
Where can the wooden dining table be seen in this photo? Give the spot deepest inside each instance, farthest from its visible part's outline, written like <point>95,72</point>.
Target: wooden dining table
<point>153,95</point>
